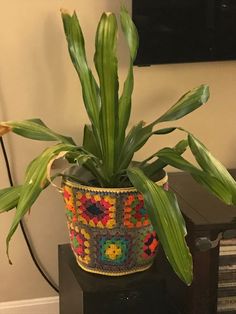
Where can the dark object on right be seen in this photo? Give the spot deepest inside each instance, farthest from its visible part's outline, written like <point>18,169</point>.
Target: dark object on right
<point>174,31</point>
<point>206,218</point>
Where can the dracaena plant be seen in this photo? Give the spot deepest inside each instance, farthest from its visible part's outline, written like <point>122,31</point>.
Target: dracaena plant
<point>108,147</point>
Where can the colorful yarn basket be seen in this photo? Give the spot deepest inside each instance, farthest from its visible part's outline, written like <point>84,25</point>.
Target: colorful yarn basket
<point>110,232</point>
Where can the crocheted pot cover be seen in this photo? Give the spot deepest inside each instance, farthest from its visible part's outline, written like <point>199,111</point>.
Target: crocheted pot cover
<point>110,232</point>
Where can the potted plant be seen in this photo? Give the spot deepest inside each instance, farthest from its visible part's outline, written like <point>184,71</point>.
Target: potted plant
<point>117,209</point>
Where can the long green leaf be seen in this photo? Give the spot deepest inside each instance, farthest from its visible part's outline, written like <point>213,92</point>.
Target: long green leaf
<point>208,180</point>
<point>212,166</point>
<point>131,36</point>
<point>9,198</point>
<point>89,141</point>
<point>172,158</point>
<point>35,181</point>
<point>35,129</point>
<point>106,65</point>
<point>135,139</point>
<point>130,31</point>
<point>186,104</point>
<point>139,136</point>
<point>168,222</point>
<point>164,131</point>
<point>90,144</point>
<point>153,168</point>
<point>76,48</point>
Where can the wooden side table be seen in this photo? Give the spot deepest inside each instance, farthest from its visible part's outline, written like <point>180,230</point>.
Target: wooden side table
<point>86,293</point>
<point>206,217</point>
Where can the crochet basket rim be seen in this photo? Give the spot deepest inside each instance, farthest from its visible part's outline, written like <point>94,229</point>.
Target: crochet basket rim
<point>71,183</point>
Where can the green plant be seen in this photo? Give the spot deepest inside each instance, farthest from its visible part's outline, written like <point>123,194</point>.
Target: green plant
<point>108,148</point>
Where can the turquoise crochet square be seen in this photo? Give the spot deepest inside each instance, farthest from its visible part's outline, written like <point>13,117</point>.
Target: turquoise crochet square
<point>114,250</point>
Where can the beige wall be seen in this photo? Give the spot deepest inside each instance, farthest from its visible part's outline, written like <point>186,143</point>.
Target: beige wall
<point>38,80</point>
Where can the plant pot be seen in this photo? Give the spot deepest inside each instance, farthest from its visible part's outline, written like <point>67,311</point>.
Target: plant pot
<point>110,232</point>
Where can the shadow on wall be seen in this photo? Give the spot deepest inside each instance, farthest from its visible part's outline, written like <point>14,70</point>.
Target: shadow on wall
<point>8,143</point>
<point>3,111</point>
<point>54,46</point>
<point>47,62</point>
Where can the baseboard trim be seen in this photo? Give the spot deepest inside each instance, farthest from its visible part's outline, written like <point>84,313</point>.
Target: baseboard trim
<point>33,306</point>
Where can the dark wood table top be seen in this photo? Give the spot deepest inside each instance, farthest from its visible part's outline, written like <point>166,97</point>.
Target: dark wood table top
<point>201,208</point>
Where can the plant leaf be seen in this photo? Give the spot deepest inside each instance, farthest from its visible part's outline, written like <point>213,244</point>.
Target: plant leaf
<point>168,222</point>
<point>215,186</point>
<point>135,139</point>
<point>181,147</point>
<point>89,141</point>
<point>131,35</point>
<point>173,158</point>
<point>35,181</point>
<point>212,166</point>
<point>186,104</point>
<point>90,162</point>
<point>81,155</point>
<point>35,129</point>
<point>76,49</point>
<point>106,65</point>
<point>130,31</point>
<point>164,131</point>
<point>138,135</point>
<point>153,168</point>
<point>9,198</point>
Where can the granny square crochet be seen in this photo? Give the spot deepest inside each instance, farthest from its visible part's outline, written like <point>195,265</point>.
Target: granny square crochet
<point>113,250</point>
<point>80,244</point>
<point>150,244</point>
<point>135,215</point>
<point>96,210</point>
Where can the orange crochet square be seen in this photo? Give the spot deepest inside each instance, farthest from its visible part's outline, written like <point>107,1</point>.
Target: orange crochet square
<point>135,215</point>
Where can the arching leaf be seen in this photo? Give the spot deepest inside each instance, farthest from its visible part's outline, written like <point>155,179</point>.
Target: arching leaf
<point>35,129</point>
<point>9,198</point>
<point>168,222</point>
